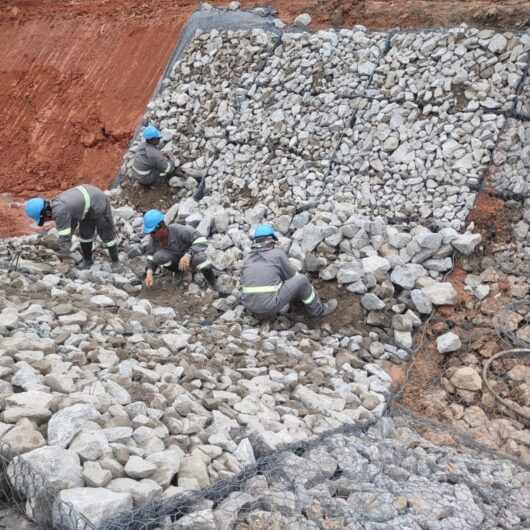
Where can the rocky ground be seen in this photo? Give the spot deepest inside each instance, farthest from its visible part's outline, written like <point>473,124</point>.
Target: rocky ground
<point>366,154</point>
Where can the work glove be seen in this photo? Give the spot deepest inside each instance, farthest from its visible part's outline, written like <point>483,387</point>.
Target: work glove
<point>63,267</point>
<point>134,251</point>
<point>149,280</point>
<point>184,263</point>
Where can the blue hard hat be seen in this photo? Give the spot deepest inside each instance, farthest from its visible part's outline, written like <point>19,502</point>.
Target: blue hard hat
<point>34,208</point>
<point>263,231</point>
<point>152,219</point>
<point>151,132</point>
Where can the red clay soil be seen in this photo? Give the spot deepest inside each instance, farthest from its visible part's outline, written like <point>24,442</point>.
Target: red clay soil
<point>76,76</point>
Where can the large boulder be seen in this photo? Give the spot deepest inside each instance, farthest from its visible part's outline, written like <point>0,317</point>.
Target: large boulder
<point>66,423</point>
<point>96,504</point>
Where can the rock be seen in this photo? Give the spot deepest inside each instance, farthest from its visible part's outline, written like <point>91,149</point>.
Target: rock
<point>497,43</point>
<point>141,491</point>
<point>175,342</point>
<point>23,437</point>
<point>371,302</point>
<point>137,467</point>
<point>421,302</point>
<point>302,20</point>
<point>405,276</point>
<point>95,476</point>
<point>102,301</point>
<point>318,402</point>
<point>66,423</point>
<point>441,294</point>
<point>167,465</point>
<point>448,342</point>
<point>96,504</point>
<point>467,378</point>
<point>373,264</point>
<point>193,467</point>
<point>466,243</point>
<point>61,468</point>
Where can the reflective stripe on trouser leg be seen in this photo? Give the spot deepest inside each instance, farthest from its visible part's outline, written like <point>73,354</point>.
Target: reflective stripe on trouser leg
<point>310,298</point>
<point>167,264</point>
<point>82,240</point>
<point>203,265</point>
<point>110,243</point>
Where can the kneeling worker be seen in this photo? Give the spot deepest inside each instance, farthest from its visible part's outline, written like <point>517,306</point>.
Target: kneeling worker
<point>150,166</point>
<point>174,247</point>
<point>269,281</point>
<point>86,206</point>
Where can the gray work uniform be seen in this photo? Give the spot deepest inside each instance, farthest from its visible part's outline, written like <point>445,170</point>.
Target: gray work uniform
<point>88,207</point>
<point>269,282</point>
<point>181,240</point>
<point>150,165</point>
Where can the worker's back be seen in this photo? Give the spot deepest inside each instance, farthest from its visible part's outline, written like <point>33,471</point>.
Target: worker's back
<point>269,266</point>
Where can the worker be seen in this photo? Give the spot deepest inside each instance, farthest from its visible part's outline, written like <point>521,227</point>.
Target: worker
<point>150,166</point>
<point>174,247</point>
<point>269,282</point>
<point>86,206</point>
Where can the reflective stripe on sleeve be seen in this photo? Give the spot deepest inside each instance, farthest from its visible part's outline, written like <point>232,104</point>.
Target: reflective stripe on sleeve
<point>166,264</point>
<point>203,264</point>
<point>86,196</point>
<point>260,289</point>
<point>200,240</point>
<point>65,232</point>
<point>141,171</point>
<point>167,170</point>
<point>310,298</point>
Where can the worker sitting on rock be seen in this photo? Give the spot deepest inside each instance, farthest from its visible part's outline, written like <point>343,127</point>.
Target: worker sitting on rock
<point>174,247</point>
<point>269,281</point>
<point>150,166</point>
<point>86,206</point>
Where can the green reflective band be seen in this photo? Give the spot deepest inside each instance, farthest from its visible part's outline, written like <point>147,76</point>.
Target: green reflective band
<point>260,289</point>
<point>86,196</point>
<point>150,258</point>
<point>110,243</point>
<point>65,232</point>
<point>166,264</point>
<point>85,240</point>
<point>310,298</point>
<point>200,240</point>
<point>203,265</point>
<point>141,171</point>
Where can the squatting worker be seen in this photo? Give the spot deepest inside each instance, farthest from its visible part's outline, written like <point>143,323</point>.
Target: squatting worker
<point>174,247</point>
<point>269,282</point>
<point>150,166</point>
<point>86,206</point>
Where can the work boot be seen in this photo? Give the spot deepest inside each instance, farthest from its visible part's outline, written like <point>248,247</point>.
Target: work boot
<point>176,277</point>
<point>86,251</point>
<point>113,253</point>
<point>209,276</point>
<point>328,308</point>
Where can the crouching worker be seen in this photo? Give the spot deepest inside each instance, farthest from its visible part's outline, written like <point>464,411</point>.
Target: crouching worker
<point>174,247</point>
<point>86,206</point>
<point>269,282</point>
<point>150,166</point>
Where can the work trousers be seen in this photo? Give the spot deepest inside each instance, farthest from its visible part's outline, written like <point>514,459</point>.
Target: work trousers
<point>268,305</point>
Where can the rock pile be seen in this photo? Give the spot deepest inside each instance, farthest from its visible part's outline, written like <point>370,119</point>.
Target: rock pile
<point>120,399</point>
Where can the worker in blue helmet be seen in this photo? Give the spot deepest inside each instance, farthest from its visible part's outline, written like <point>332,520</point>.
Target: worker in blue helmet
<point>176,248</point>
<point>85,206</point>
<point>150,166</point>
<point>269,281</point>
